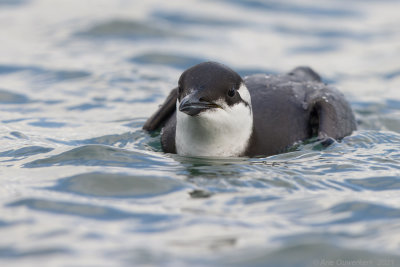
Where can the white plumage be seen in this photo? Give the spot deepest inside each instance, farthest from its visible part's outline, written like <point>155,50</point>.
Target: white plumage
<point>223,132</point>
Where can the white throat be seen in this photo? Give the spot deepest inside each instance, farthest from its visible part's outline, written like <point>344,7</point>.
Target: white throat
<point>218,132</point>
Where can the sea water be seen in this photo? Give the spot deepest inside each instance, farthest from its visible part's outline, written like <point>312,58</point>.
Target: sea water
<point>83,185</point>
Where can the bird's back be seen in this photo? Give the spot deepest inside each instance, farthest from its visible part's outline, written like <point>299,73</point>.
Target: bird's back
<point>294,107</point>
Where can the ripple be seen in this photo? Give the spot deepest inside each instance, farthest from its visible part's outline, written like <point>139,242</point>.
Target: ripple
<point>295,9</point>
<point>316,49</point>
<point>11,252</point>
<point>46,74</point>
<point>3,224</point>
<point>44,123</point>
<point>392,75</point>
<point>120,140</point>
<point>25,151</point>
<point>369,139</point>
<point>364,211</point>
<point>377,183</point>
<point>137,138</point>
<point>117,185</point>
<point>6,69</point>
<point>87,106</point>
<point>65,75</point>
<point>249,200</point>
<point>7,97</point>
<point>97,155</point>
<point>306,255</point>
<point>175,61</point>
<point>382,115</point>
<point>326,34</point>
<point>19,135</point>
<point>193,19</point>
<point>85,210</point>
<point>128,29</point>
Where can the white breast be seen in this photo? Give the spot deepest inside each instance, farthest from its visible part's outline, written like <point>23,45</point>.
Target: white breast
<point>218,132</point>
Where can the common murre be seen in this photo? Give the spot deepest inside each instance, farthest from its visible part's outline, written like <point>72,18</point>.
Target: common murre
<point>214,112</point>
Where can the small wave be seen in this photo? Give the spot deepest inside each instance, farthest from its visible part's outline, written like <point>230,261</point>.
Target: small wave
<point>175,61</point>
<point>25,152</point>
<point>98,155</point>
<point>306,255</point>
<point>7,97</point>
<point>294,9</point>
<point>194,19</point>
<point>45,74</point>
<point>116,185</point>
<point>358,211</point>
<point>128,29</point>
<point>85,210</point>
<point>14,253</point>
<point>381,183</point>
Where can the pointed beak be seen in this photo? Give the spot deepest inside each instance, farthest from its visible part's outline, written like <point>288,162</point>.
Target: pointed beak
<point>192,105</point>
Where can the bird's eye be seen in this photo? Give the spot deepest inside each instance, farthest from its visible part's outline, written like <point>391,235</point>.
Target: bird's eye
<point>231,92</point>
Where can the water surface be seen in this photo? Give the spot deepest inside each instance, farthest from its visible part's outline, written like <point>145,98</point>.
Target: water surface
<point>83,185</point>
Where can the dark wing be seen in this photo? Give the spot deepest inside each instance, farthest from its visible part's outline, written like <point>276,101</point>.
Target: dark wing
<point>331,115</point>
<point>162,115</point>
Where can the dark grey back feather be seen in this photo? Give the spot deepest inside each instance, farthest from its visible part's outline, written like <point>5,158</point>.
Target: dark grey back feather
<point>305,73</point>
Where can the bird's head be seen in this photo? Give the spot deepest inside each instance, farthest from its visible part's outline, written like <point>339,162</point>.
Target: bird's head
<point>212,87</point>
<point>214,115</point>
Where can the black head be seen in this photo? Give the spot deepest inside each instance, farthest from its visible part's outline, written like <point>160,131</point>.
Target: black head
<point>202,85</point>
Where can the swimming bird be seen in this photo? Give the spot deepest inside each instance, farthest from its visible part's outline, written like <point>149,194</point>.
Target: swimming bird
<point>216,112</point>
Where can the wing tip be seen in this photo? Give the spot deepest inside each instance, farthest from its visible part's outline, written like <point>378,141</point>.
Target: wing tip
<point>162,114</point>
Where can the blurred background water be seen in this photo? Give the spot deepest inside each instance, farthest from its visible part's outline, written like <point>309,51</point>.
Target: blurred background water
<point>83,185</point>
